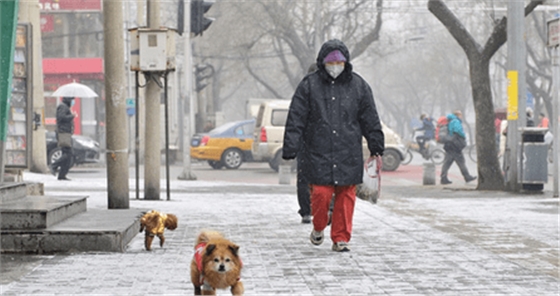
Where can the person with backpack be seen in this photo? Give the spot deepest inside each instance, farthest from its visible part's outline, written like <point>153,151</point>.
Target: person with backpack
<point>453,147</point>
<point>429,134</point>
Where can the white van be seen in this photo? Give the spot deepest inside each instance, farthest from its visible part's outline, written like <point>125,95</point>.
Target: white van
<point>269,135</point>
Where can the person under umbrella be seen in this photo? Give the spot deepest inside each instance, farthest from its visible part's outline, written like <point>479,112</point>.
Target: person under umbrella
<point>64,130</point>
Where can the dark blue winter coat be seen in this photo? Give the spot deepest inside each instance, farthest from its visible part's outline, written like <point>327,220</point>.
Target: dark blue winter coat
<point>327,120</point>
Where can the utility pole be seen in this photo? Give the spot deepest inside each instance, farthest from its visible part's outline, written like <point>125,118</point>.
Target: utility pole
<point>115,106</point>
<point>152,139</point>
<point>29,13</point>
<point>187,173</point>
<point>516,117</point>
<point>554,42</point>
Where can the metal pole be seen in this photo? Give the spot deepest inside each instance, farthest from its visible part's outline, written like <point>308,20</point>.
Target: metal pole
<point>516,65</point>
<point>152,152</point>
<point>166,137</point>
<point>137,136</point>
<point>187,174</point>
<point>115,106</point>
<point>555,116</point>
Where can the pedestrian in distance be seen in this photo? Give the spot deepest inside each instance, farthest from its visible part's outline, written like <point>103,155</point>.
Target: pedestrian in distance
<point>543,120</point>
<point>64,130</point>
<point>530,119</point>
<point>429,134</point>
<point>454,148</point>
<point>331,110</point>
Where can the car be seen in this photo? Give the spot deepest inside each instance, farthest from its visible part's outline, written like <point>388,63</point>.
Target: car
<point>269,132</point>
<point>228,145</point>
<point>268,138</point>
<point>86,150</point>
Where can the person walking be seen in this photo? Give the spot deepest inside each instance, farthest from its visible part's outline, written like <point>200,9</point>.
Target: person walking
<point>331,109</point>
<point>544,122</point>
<point>454,148</point>
<point>64,130</point>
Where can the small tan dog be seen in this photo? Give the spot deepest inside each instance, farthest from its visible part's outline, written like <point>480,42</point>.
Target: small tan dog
<point>155,223</point>
<point>216,265</point>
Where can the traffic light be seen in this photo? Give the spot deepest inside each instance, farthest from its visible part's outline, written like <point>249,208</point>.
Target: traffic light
<point>199,23</point>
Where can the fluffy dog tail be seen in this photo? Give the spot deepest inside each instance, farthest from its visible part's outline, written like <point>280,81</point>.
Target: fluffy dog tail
<point>206,235</point>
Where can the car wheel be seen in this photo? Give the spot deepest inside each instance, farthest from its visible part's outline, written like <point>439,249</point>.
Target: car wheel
<point>55,154</point>
<point>275,163</point>
<point>391,160</point>
<point>232,158</point>
<point>216,164</point>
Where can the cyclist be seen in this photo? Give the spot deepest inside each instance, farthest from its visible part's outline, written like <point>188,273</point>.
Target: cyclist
<point>429,134</point>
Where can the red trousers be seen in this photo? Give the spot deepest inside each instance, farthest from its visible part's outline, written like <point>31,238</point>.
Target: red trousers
<point>343,211</point>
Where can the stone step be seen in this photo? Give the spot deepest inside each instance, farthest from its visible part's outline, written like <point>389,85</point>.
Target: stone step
<point>12,191</point>
<point>36,212</point>
<point>92,231</point>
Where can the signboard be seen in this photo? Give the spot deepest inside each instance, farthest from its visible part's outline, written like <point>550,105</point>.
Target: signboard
<point>69,5</point>
<point>18,139</point>
<point>512,93</point>
<point>130,106</point>
<point>553,32</point>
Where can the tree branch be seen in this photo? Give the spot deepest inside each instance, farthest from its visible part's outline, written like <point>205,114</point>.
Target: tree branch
<point>372,36</point>
<point>455,27</point>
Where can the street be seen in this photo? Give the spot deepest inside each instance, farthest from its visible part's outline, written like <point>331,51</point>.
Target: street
<point>419,240</point>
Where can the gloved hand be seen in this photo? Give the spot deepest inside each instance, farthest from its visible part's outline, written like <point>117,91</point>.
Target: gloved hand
<point>288,156</point>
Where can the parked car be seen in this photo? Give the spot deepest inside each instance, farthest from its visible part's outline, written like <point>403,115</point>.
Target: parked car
<point>228,145</point>
<point>86,150</point>
<point>268,137</point>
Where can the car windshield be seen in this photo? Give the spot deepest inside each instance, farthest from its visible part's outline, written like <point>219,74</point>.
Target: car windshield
<point>222,128</point>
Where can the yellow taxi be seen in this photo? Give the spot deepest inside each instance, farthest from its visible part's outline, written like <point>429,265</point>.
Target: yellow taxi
<point>228,145</point>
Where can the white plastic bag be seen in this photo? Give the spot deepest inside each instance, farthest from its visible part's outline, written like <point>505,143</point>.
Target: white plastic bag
<point>370,188</point>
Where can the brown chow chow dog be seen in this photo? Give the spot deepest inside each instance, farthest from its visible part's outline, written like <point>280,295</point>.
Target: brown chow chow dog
<point>155,223</point>
<point>216,265</point>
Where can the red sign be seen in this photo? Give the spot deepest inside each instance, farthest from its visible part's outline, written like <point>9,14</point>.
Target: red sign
<point>47,23</point>
<point>66,5</point>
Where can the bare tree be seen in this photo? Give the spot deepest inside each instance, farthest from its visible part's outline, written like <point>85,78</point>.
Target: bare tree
<point>490,177</point>
<point>275,41</point>
<point>539,67</point>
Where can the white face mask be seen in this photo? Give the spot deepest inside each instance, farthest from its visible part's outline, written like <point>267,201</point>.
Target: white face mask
<point>334,70</point>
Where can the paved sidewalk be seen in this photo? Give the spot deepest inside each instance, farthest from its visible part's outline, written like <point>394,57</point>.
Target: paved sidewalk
<point>416,240</point>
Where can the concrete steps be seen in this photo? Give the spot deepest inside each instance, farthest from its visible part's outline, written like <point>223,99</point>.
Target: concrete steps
<point>32,212</point>
<point>50,224</point>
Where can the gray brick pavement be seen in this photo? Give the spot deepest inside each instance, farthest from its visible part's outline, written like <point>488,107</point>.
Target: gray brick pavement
<point>416,241</point>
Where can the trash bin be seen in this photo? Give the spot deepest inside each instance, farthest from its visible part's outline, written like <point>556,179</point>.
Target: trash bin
<point>533,166</point>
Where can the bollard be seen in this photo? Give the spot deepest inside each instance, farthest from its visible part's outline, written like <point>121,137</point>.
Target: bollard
<point>429,174</point>
<point>284,173</point>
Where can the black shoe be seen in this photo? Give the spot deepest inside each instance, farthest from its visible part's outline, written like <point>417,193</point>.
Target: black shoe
<point>470,178</point>
<point>64,179</point>
<point>306,219</point>
<point>445,181</point>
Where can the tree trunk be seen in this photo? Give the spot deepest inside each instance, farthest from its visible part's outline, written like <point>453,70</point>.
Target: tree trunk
<point>489,172</point>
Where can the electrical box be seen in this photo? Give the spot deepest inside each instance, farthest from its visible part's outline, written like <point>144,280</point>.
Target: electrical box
<point>152,50</point>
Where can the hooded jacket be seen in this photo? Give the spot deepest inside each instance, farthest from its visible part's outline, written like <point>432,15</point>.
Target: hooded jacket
<point>64,117</point>
<point>326,121</point>
<point>455,127</point>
